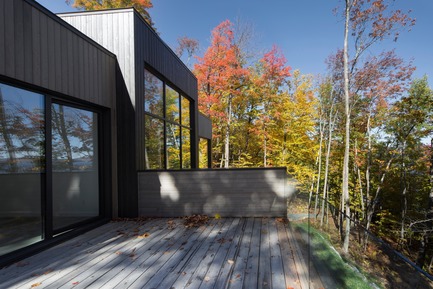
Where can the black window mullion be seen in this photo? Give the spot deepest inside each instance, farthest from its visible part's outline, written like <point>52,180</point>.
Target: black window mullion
<point>164,114</point>
<point>47,203</point>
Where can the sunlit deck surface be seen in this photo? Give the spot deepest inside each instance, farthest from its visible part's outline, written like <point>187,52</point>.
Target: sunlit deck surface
<point>164,253</point>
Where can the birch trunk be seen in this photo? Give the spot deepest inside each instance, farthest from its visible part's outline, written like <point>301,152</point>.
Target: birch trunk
<point>345,187</point>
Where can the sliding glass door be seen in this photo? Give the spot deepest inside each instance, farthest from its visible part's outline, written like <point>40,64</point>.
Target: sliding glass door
<point>49,167</point>
<point>22,167</point>
<point>74,143</point>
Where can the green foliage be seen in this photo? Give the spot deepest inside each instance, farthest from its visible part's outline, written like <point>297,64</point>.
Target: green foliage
<point>323,254</point>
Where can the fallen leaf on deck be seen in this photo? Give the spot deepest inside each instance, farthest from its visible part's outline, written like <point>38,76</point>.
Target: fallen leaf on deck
<point>230,261</point>
<point>217,216</point>
<point>195,221</point>
<point>207,278</point>
<point>22,264</point>
<point>145,235</point>
<point>238,276</point>
<point>36,284</point>
<point>282,220</point>
<point>118,253</point>
<point>76,283</point>
<point>221,241</point>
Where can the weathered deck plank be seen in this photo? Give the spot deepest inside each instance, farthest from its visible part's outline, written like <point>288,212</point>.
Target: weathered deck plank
<point>188,258</point>
<point>277,268</point>
<point>34,269</point>
<point>163,253</point>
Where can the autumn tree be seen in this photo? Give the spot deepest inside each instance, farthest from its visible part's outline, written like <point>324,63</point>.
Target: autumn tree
<point>221,78</point>
<point>273,74</point>
<point>186,45</point>
<point>365,24</point>
<point>142,6</point>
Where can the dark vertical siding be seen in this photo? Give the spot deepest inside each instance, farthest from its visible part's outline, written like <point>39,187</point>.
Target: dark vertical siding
<point>150,49</point>
<point>126,34</point>
<point>38,48</point>
<point>2,35</point>
<point>114,30</point>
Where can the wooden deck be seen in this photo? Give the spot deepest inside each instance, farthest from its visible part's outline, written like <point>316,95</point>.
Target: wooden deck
<point>163,253</point>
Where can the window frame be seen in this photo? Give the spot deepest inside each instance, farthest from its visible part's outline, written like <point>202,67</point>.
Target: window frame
<point>49,235</point>
<point>181,96</point>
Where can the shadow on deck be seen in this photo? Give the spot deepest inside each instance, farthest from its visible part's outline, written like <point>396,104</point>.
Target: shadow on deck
<point>164,253</point>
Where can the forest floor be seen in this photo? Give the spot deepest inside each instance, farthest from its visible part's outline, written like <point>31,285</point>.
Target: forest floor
<point>380,267</point>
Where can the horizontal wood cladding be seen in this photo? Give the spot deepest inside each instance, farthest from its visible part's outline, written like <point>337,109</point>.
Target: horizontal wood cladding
<point>40,49</point>
<point>230,193</point>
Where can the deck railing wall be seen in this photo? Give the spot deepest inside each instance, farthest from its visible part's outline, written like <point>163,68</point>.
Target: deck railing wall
<point>226,192</point>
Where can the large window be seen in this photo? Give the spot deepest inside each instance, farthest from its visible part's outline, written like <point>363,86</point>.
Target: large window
<point>167,125</point>
<point>75,165</point>
<point>21,167</point>
<point>49,167</point>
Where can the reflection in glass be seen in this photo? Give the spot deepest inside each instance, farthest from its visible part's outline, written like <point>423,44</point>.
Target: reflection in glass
<point>185,112</point>
<point>153,94</point>
<point>186,148</point>
<point>171,104</point>
<point>173,146</point>
<point>21,165</point>
<point>75,165</point>
<point>203,153</point>
<point>154,143</point>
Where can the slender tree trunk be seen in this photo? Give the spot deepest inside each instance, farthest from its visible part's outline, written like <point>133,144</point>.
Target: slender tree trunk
<point>328,153</point>
<point>369,156</point>
<point>371,208</point>
<point>345,187</point>
<point>227,136</point>
<point>319,171</point>
<point>404,192</point>
<point>265,149</point>
<point>430,202</point>
<point>5,133</point>
<point>311,192</point>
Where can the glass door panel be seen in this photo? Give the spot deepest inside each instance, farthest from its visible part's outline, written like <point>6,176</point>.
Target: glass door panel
<point>21,167</point>
<point>74,164</point>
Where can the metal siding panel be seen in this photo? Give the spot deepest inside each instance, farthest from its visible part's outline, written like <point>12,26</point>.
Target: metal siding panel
<point>2,37</point>
<point>75,89</point>
<point>85,70</point>
<point>28,43</point>
<point>81,68</point>
<point>51,55</point>
<point>139,81</point>
<point>44,50</point>
<point>19,39</point>
<point>36,47</point>
<point>96,78</point>
<point>69,63</point>
<point>9,38</point>
<point>91,69</point>
<point>64,60</point>
<point>57,45</point>
<point>105,28</point>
